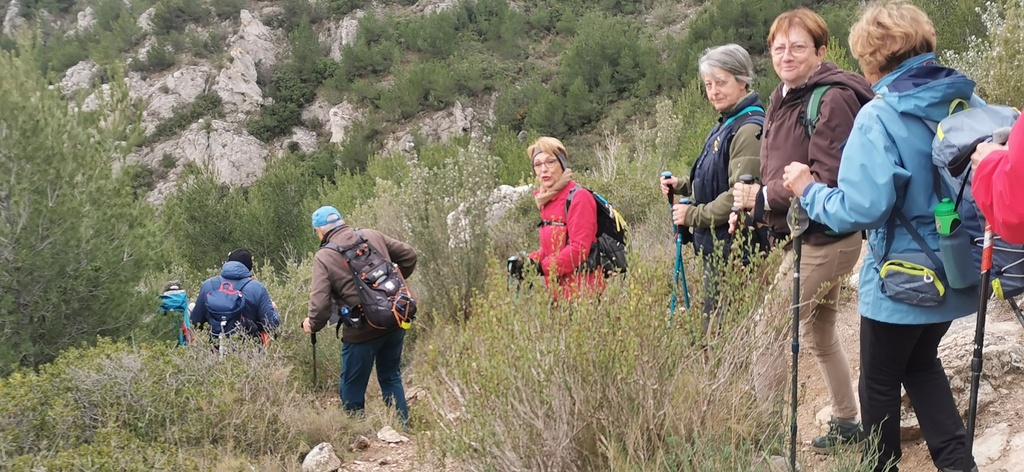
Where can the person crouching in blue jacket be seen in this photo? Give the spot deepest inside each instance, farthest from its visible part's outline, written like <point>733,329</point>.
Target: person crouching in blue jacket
<point>257,316</point>
<point>886,186</point>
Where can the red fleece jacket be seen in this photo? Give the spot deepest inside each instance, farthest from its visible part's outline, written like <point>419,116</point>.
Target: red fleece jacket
<point>560,257</point>
<point>998,190</point>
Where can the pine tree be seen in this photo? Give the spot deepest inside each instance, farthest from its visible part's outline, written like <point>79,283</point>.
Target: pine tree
<point>74,243</point>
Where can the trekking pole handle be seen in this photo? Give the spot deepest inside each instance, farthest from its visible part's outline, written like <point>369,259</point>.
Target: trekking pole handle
<point>312,338</point>
<point>747,179</point>
<point>668,175</point>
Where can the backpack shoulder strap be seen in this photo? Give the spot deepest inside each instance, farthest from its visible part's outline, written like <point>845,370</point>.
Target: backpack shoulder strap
<point>568,200</point>
<point>814,108</point>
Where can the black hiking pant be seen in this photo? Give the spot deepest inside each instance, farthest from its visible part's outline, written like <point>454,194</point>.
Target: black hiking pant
<point>891,355</point>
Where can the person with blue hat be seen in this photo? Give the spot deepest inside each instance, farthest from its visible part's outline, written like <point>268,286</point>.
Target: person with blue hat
<point>333,288</point>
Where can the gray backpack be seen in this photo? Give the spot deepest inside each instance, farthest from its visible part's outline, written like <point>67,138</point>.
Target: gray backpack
<point>956,136</point>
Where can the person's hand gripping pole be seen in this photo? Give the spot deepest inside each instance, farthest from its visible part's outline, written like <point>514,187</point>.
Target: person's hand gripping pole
<point>668,184</point>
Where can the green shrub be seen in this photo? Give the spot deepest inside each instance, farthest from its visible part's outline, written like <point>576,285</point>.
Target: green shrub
<point>140,407</point>
<point>227,9</point>
<point>205,45</point>
<point>175,15</point>
<point>374,51</point>
<point>275,120</point>
<point>452,249</point>
<point>78,281</point>
<point>424,86</point>
<point>997,74</point>
<point>159,56</point>
<point>589,386</point>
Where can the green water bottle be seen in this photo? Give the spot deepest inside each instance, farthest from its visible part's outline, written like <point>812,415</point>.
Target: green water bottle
<point>955,247</point>
<point>946,218</point>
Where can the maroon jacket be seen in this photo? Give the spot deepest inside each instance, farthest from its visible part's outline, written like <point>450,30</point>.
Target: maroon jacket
<point>785,140</point>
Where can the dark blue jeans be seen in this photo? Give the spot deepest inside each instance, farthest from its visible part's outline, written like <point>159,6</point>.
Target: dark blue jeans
<point>357,360</point>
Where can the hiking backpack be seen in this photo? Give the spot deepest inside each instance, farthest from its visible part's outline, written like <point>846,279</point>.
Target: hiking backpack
<point>608,253</point>
<point>226,303</point>
<point>956,136</point>
<point>385,300</point>
<point>811,114</point>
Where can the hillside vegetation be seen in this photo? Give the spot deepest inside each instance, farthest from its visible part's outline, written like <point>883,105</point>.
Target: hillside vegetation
<point>89,378</point>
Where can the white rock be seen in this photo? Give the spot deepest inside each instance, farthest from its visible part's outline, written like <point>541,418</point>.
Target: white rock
<point>78,76</point>
<point>12,21</point>
<point>427,7</point>
<point>389,435</point>
<point>504,198</point>
<point>256,39</point>
<point>341,117</point>
<point>989,447</point>
<point>178,89</point>
<point>145,21</point>
<point>236,84</point>
<point>86,19</point>
<point>319,110</point>
<point>341,34</point>
<point>306,139</point>
<point>236,157</point>
<point>321,459</point>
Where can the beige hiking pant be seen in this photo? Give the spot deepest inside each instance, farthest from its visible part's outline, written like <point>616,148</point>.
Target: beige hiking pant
<point>821,267</point>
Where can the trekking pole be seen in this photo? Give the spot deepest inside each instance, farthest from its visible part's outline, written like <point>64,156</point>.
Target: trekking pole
<point>746,179</point>
<point>796,229</point>
<point>312,340</point>
<point>979,341</point>
<point>220,338</point>
<point>680,269</point>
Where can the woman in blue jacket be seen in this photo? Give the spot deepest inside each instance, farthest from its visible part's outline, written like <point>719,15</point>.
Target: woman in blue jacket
<point>886,176</point>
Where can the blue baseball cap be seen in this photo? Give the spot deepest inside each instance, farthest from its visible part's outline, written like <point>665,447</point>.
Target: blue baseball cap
<point>325,215</point>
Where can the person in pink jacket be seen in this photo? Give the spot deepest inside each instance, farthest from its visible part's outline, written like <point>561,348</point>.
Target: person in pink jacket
<point>997,186</point>
<point>566,233</point>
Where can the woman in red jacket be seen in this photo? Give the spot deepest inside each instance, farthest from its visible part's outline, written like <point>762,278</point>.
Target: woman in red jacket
<point>566,232</point>
<point>996,184</point>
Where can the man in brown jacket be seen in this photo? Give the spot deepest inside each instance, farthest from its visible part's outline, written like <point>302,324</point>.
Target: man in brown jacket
<point>334,289</point>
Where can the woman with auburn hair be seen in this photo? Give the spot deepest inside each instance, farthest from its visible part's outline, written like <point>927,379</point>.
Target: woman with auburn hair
<point>886,186</point>
<point>798,41</point>
<point>566,233</point>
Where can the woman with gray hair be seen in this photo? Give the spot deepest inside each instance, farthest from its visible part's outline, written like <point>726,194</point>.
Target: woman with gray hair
<point>731,150</point>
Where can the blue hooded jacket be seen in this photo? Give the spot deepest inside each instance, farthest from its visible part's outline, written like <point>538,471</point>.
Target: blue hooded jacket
<point>257,300</point>
<point>887,164</point>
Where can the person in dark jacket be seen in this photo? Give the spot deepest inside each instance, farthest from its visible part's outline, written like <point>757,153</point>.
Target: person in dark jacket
<point>731,150</point>
<point>363,346</point>
<point>798,41</point>
<point>260,317</point>
<point>886,186</point>
<point>566,235</point>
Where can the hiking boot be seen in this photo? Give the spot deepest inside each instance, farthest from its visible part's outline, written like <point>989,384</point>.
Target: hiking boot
<point>947,469</point>
<point>841,433</point>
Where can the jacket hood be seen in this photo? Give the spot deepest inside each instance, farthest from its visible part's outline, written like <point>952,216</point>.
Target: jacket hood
<point>235,270</point>
<point>831,74</point>
<point>922,88</point>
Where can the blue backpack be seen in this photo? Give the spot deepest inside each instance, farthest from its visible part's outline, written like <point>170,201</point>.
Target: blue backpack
<point>226,304</point>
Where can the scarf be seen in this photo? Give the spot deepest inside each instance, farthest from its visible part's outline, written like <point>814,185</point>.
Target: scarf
<point>545,194</point>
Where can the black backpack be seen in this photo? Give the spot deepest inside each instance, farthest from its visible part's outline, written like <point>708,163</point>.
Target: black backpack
<point>385,299</point>
<point>608,253</point>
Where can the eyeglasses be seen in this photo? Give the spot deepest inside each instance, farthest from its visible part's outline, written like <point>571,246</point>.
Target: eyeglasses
<point>550,164</point>
<point>796,49</point>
